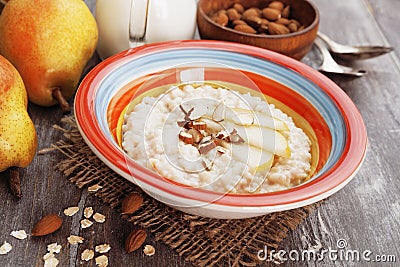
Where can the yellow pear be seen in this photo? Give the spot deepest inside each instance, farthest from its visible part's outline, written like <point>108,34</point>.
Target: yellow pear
<point>18,141</point>
<point>49,42</point>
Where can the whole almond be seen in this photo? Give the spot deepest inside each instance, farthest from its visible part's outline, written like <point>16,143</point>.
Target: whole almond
<point>296,22</point>
<point>131,203</point>
<point>283,21</point>
<point>239,8</point>
<point>238,22</point>
<point>222,19</point>
<point>271,14</point>
<point>263,28</point>
<point>286,12</point>
<point>47,225</point>
<point>254,21</point>
<point>245,29</point>
<point>264,21</point>
<point>135,240</point>
<point>250,12</point>
<point>275,28</point>
<point>233,14</point>
<point>293,27</point>
<point>276,5</point>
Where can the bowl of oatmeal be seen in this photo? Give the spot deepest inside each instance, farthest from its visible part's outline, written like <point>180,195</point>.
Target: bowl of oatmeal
<point>219,129</point>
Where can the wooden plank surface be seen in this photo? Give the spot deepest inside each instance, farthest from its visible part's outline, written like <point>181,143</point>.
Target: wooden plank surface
<point>366,213</point>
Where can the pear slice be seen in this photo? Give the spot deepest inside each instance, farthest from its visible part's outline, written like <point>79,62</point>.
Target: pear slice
<point>248,117</point>
<point>264,138</point>
<point>254,157</point>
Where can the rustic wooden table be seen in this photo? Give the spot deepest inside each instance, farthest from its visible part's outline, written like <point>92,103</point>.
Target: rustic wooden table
<point>365,214</point>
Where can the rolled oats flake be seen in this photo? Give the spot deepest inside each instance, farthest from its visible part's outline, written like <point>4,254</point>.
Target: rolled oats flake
<point>87,255</point>
<point>102,261</point>
<point>51,262</point>
<point>149,250</point>
<point>71,211</point>
<point>74,239</point>
<point>85,223</point>
<point>88,212</point>
<point>98,217</point>
<point>5,248</point>
<point>54,248</point>
<point>20,234</point>
<point>104,248</point>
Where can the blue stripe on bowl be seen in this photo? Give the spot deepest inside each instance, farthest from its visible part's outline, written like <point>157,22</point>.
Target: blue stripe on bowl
<point>163,60</point>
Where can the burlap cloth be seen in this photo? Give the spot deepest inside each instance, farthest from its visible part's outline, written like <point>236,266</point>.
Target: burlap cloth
<point>202,241</point>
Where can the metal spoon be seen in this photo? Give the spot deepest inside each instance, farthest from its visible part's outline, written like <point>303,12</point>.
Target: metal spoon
<point>331,66</point>
<point>353,52</point>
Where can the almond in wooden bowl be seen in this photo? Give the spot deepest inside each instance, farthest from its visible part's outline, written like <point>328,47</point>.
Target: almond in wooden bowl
<point>294,24</point>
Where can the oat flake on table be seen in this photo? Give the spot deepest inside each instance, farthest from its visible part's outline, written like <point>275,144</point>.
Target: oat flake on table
<point>87,255</point>
<point>71,211</point>
<point>85,223</point>
<point>149,250</point>
<point>20,234</point>
<point>51,262</point>
<point>102,261</point>
<point>54,248</point>
<point>74,239</point>
<point>104,248</point>
<point>88,212</point>
<point>98,217</point>
<point>5,248</point>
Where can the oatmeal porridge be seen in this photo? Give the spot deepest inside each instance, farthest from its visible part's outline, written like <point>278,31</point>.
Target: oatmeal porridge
<point>214,138</point>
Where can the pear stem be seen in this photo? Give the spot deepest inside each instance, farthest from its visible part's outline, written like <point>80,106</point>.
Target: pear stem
<point>15,182</point>
<point>57,95</point>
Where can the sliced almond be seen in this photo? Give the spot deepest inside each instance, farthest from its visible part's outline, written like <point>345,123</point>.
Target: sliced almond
<point>234,137</point>
<point>206,144</point>
<point>186,137</point>
<point>198,125</point>
<point>197,136</point>
<point>47,225</point>
<point>219,112</point>
<point>131,203</point>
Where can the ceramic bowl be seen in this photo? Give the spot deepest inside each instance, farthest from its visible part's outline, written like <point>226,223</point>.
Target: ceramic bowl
<point>295,45</point>
<point>329,117</point>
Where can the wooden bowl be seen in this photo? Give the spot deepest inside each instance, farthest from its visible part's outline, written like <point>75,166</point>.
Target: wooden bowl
<point>295,45</point>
